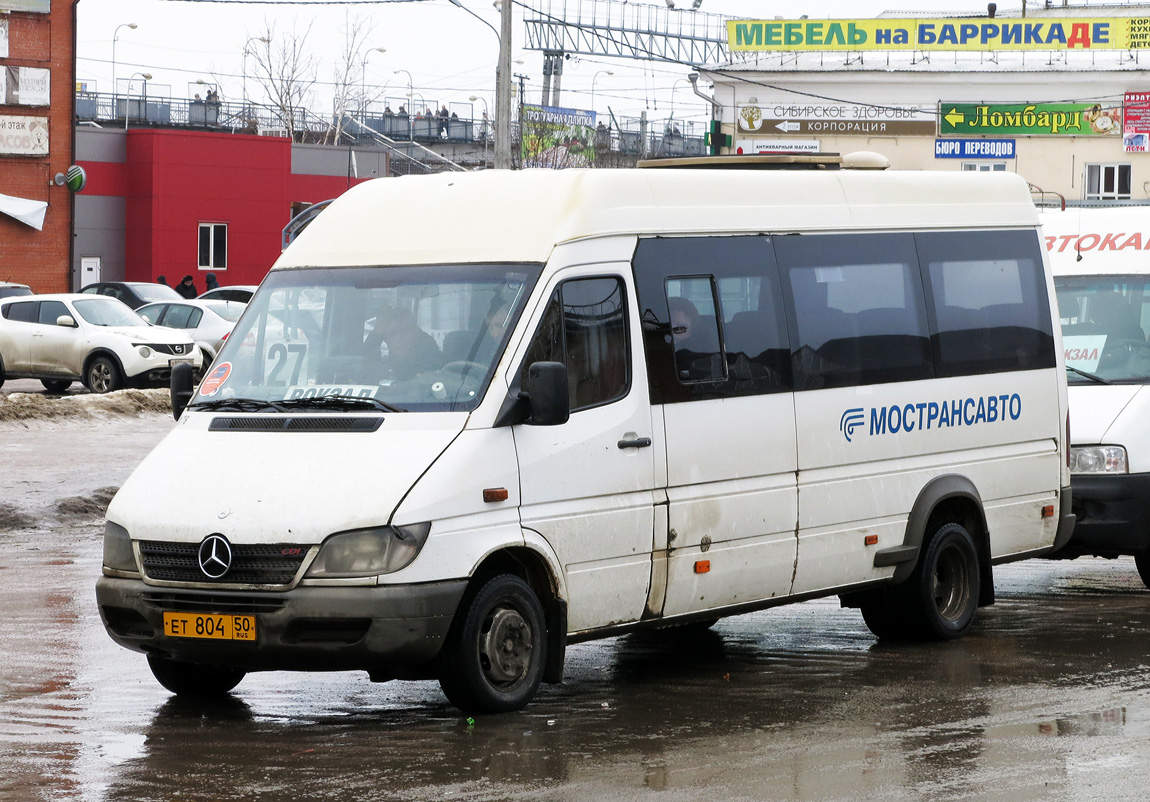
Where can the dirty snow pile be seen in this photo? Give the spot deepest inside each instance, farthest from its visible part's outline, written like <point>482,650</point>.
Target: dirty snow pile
<point>35,406</point>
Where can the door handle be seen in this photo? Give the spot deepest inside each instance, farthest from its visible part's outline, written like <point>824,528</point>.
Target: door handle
<point>638,442</point>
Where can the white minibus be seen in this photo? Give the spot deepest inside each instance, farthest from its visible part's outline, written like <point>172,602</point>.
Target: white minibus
<point>469,419</point>
<point>1102,278</point>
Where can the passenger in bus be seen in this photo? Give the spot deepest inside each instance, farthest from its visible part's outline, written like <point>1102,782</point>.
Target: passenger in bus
<point>403,348</point>
<point>696,344</point>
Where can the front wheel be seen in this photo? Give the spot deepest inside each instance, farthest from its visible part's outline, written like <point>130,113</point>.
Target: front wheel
<point>1142,561</point>
<point>103,376</point>
<point>192,679</point>
<point>493,661</point>
<point>941,596</point>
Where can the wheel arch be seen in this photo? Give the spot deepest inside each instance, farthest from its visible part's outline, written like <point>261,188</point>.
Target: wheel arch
<point>950,498</point>
<point>99,352</point>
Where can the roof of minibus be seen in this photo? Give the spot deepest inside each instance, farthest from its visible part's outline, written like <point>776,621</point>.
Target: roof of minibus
<point>1086,241</point>
<point>520,216</point>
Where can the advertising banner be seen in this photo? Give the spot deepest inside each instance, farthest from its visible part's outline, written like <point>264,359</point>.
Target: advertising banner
<point>974,148</point>
<point>29,6</point>
<point>749,146</point>
<point>27,86</point>
<point>1136,122</point>
<point>839,118</point>
<point>1103,33</point>
<point>1030,119</point>
<point>3,37</point>
<point>555,137</point>
<point>23,136</point>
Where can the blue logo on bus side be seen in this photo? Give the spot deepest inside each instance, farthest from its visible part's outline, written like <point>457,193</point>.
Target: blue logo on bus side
<point>924,415</point>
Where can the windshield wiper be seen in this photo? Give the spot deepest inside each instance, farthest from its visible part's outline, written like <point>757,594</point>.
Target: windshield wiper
<point>1090,376</point>
<point>339,402</point>
<point>239,404</point>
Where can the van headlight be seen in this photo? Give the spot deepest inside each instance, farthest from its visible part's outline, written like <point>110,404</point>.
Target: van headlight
<point>1098,459</point>
<point>368,552</point>
<point>118,553</point>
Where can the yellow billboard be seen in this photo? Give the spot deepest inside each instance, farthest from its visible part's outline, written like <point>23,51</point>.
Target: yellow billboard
<point>1106,33</point>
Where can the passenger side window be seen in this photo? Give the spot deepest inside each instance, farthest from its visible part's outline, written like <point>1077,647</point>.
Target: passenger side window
<point>24,312</point>
<point>50,310</point>
<point>713,325</point>
<point>585,328</point>
<point>152,313</point>
<point>177,316</point>
<point>987,297</point>
<point>859,311</point>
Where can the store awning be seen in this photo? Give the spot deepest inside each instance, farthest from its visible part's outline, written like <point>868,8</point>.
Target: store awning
<point>26,211</point>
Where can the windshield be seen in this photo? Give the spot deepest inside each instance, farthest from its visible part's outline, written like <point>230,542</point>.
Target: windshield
<point>1104,325</point>
<point>107,312</point>
<point>417,338</point>
<point>155,292</point>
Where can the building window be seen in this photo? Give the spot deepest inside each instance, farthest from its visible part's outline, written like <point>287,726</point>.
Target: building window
<point>984,167</point>
<point>1107,181</point>
<point>213,246</point>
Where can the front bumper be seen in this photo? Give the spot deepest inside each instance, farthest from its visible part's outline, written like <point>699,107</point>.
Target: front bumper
<point>155,370</point>
<point>1113,515</point>
<point>392,631</point>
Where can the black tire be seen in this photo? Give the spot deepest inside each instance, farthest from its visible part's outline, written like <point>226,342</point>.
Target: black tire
<point>495,652</point>
<point>103,375</point>
<point>192,679</point>
<point>56,385</point>
<point>1142,561</point>
<point>941,596</point>
<point>881,616</point>
<point>2,373</point>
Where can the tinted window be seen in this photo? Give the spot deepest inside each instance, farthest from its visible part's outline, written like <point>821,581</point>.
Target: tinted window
<point>50,310</point>
<point>585,328</point>
<point>859,312</point>
<point>92,289</point>
<point>151,313</point>
<point>988,301</point>
<point>177,316</point>
<point>24,312</point>
<point>712,320</point>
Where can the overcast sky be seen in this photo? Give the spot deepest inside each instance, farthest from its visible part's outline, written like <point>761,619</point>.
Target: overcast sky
<point>450,54</point>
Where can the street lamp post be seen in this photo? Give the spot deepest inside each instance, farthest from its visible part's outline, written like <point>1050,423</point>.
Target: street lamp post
<point>601,72</point>
<point>410,100</point>
<point>363,79</point>
<point>244,77</point>
<point>474,98</point>
<point>115,89</point>
<point>146,76</point>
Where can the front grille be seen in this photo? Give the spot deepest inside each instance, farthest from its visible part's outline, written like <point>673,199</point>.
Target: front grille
<point>213,603</point>
<point>301,424</point>
<point>274,564</point>
<point>179,349</point>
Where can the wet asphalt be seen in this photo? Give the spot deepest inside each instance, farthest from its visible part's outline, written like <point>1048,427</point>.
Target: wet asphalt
<point>1048,698</point>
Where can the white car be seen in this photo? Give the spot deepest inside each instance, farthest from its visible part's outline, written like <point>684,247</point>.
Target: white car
<point>208,323</point>
<point>60,339</point>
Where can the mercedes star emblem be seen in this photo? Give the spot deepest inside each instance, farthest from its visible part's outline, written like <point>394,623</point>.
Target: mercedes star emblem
<point>215,556</point>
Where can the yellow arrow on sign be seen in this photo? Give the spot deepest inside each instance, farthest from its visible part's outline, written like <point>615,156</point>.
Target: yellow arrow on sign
<point>955,117</point>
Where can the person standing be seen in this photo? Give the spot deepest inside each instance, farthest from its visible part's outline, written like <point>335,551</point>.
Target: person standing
<point>187,288</point>
<point>210,282</point>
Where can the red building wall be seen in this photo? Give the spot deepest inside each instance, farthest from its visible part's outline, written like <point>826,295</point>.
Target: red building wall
<point>173,180</point>
<point>41,259</point>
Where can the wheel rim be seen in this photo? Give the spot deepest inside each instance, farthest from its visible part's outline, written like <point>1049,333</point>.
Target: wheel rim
<point>950,584</point>
<point>505,647</point>
<point>101,377</point>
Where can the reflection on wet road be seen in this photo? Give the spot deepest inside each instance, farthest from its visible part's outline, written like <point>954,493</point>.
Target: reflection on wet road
<point>1047,699</point>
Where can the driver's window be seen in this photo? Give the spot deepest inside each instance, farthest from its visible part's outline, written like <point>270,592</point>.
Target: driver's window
<point>585,328</point>
<point>50,311</point>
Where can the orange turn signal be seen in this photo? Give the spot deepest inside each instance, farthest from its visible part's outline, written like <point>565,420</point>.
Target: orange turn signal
<point>1048,511</point>
<point>870,540</point>
<point>702,566</point>
<point>493,494</point>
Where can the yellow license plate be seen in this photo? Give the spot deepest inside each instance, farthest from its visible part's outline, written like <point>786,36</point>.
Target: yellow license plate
<point>218,626</point>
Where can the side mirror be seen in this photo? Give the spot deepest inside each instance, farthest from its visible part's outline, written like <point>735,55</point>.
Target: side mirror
<point>547,393</point>
<point>67,321</point>
<point>182,388</point>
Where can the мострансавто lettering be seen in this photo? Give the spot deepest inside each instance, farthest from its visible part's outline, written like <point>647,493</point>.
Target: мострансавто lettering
<point>926,415</point>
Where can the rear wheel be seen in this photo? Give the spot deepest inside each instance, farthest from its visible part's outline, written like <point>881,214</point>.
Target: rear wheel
<point>1,372</point>
<point>1142,560</point>
<point>192,679</point>
<point>103,376</point>
<point>493,660</point>
<point>940,598</point>
<point>56,385</point>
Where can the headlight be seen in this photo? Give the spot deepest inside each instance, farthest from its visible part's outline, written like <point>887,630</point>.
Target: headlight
<point>368,552</point>
<point>1098,459</point>
<point>118,554</point>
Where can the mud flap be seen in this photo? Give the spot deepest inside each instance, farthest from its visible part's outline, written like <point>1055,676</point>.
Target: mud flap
<point>556,642</point>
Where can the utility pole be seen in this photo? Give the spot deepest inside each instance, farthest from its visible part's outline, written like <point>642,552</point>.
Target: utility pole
<point>503,91</point>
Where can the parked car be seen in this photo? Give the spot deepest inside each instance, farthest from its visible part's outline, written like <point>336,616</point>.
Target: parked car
<point>238,292</point>
<point>10,290</point>
<point>133,293</point>
<point>60,339</point>
<point>208,323</point>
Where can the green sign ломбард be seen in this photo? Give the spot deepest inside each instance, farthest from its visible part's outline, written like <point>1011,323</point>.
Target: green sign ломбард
<point>1030,119</point>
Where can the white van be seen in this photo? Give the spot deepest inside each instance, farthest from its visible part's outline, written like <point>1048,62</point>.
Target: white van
<point>467,420</point>
<point>1102,277</point>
